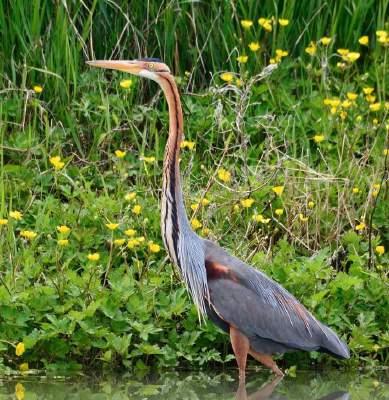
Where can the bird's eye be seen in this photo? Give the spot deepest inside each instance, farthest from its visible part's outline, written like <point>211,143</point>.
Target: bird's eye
<point>151,66</point>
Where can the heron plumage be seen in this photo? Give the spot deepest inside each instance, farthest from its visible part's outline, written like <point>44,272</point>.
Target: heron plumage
<point>261,316</point>
<point>184,246</point>
<point>272,318</point>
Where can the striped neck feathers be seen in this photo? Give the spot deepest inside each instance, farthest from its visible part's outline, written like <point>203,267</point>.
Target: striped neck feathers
<point>174,221</point>
<point>185,248</point>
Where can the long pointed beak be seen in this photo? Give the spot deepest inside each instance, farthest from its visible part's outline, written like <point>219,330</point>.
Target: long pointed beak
<point>131,67</point>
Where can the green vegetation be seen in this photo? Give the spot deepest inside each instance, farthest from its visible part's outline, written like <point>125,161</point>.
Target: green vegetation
<point>287,167</point>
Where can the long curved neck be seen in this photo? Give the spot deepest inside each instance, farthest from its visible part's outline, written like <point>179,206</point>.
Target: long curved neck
<point>185,248</point>
<point>174,220</point>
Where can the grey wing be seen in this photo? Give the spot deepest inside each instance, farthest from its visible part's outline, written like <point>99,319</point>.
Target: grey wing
<point>262,309</point>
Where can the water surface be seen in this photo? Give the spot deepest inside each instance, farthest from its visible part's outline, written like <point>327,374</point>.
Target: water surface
<point>324,385</point>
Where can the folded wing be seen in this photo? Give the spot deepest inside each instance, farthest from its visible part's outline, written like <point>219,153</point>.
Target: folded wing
<point>273,319</point>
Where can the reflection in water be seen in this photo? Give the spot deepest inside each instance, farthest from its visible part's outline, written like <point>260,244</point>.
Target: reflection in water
<point>263,393</point>
<point>266,393</point>
<point>200,386</point>
<point>337,395</point>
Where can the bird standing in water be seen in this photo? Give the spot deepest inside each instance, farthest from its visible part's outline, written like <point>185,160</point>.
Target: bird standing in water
<point>261,317</point>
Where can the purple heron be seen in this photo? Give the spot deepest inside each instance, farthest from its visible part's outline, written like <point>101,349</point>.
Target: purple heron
<point>261,317</point>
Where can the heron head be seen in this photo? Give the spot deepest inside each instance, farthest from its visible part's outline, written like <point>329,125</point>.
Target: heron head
<point>150,68</point>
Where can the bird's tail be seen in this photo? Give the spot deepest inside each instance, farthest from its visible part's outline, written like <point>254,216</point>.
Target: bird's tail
<point>331,344</point>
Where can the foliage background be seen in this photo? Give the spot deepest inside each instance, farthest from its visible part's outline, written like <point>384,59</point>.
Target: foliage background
<point>128,308</point>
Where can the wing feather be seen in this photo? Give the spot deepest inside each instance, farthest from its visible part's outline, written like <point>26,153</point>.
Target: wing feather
<point>260,307</point>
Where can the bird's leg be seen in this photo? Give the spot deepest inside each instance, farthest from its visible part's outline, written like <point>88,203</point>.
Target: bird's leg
<point>241,393</point>
<point>267,361</point>
<point>241,346</point>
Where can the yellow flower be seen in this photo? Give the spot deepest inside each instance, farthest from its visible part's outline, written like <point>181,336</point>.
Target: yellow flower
<point>119,242</point>
<point>140,239</point>
<point>247,203</point>
<point>278,190</point>
<point>23,367</point>
<point>38,89</point>
<point>227,76</point>
<point>318,138</point>
<point>19,391</point>
<point>279,211</point>
<point>63,229</point>
<point>254,46</point>
<point>358,118</point>
<point>386,152</point>
<point>370,98</point>
<point>376,189</point>
<point>130,196</point>
<point>375,107</point>
<point>364,40</point>
<point>341,65</point>
<point>382,37</point>
<point>351,57</point>
<point>196,224</point>
<point>194,206</point>
<point>380,250</point>
<point>375,121</point>
<point>368,90</point>
<point>246,23</point>
<point>325,41</point>
<point>260,218</point>
<point>3,221</point>
<point>154,248</point>
<point>130,232</point>
<point>311,204</point>
<point>205,231</point>
<point>283,21</point>
<point>148,160</point>
<point>56,162</point>
<point>29,235</point>
<point>266,24</point>
<point>335,102</point>
<point>355,190</point>
<point>132,243</point>
<point>333,110</point>
<point>94,257</point>
<point>302,218</point>
<point>242,59</point>
<point>343,114</point>
<point>236,207</point>
<point>63,242</point>
<point>224,175</point>
<point>111,226</point>
<point>126,83</point>
<point>343,52</point>
<point>360,227</point>
<point>346,103</point>
<point>281,53</point>
<point>352,96</point>
<point>205,202</point>
<point>311,49</point>
<point>120,153</point>
<point>20,349</point>
<point>187,144</point>
<point>137,209</point>
<point>16,215</point>
<point>238,82</point>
